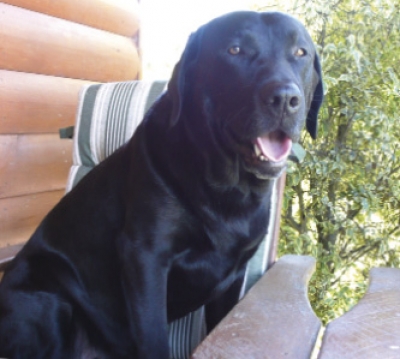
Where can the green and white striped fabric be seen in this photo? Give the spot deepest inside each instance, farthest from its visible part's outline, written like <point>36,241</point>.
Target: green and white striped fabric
<point>108,115</point>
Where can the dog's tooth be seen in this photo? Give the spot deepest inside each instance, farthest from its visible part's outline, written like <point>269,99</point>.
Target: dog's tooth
<point>259,154</point>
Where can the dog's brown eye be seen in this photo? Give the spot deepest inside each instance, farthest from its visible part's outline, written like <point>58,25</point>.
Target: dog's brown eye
<point>234,50</point>
<point>300,52</point>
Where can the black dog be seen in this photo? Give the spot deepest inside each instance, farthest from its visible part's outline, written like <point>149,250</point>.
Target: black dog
<point>168,222</point>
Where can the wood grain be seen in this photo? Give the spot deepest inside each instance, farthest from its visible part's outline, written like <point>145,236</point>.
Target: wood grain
<point>33,103</point>
<point>117,16</point>
<point>33,163</point>
<point>38,43</point>
<point>19,216</point>
<point>371,329</point>
<point>273,321</point>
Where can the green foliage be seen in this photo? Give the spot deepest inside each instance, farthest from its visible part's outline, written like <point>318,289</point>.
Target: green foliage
<point>342,204</point>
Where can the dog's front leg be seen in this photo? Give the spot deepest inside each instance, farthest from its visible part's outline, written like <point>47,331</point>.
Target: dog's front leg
<point>218,308</point>
<point>145,284</point>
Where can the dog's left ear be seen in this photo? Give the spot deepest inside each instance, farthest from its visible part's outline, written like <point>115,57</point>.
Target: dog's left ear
<point>316,102</point>
<point>177,84</point>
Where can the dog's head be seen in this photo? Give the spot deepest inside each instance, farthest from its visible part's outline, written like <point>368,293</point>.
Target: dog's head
<point>249,82</point>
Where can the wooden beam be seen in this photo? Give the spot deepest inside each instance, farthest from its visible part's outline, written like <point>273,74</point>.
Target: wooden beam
<point>371,329</point>
<point>33,163</point>
<point>116,16</point>
<point>280,192</point>
<point>68,50</point>
<point>33,103</point>
<point>274,320</point>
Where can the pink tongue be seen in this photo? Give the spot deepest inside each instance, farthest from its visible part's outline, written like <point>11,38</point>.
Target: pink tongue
<point>275,146</point>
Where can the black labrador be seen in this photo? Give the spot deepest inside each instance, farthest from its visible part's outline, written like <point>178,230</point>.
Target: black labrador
<point>168,222</point>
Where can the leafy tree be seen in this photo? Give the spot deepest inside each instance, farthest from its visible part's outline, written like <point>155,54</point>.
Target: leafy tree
<point>342,204</point>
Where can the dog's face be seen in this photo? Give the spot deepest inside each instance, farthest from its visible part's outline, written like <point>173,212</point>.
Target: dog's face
<point>254,79</point>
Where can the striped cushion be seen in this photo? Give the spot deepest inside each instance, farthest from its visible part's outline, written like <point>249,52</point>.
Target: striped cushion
<point>108,115</point>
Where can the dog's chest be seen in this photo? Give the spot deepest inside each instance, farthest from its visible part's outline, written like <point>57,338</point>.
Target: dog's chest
<point>219,252</point>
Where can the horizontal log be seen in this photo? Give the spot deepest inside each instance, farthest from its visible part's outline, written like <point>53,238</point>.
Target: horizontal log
<point>33,163</point>
<point>117,16</point>
<point>19,216</point>
<point>33,103</point>
<point>47,45</point>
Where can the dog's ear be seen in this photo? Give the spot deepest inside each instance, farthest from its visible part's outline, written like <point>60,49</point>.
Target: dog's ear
<point>177,84</point>
<point>316,102</point>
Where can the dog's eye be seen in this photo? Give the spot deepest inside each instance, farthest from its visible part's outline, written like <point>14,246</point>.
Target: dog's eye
<point>300,52</point>
<point>234,50</point>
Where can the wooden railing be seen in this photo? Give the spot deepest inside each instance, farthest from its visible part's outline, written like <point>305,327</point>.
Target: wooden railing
<point>275,320</point>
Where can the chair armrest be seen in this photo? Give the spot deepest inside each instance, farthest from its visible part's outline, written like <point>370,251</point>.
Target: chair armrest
<point>274,320</point>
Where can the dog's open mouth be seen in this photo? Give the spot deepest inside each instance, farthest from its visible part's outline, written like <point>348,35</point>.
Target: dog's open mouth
<point>274,147</point>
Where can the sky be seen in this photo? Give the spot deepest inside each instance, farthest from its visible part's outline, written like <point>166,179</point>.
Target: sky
<point>167,24</point>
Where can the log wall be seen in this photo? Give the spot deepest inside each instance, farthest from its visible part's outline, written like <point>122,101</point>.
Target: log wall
<point>49,50</point>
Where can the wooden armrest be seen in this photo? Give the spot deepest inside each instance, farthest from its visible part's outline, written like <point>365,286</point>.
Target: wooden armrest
<point>274,320</point>
<point>371,329</point>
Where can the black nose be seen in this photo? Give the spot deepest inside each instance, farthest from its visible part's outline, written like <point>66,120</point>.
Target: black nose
<point>281,99</point>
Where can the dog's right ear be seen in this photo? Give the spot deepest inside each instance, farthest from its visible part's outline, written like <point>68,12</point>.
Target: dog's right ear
<point>318,97</point>
<point>178,82</point>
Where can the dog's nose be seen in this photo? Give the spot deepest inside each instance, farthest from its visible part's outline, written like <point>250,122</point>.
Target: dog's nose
<point>281,99</point>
